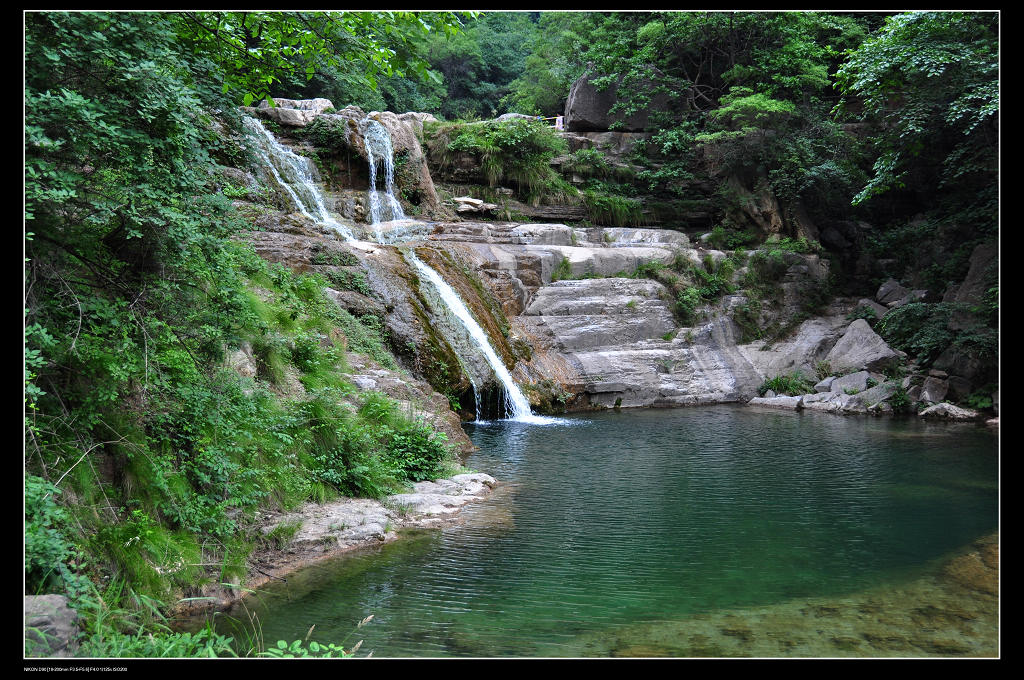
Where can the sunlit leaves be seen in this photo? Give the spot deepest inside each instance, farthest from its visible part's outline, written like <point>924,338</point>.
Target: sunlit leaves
<point>259,50</point>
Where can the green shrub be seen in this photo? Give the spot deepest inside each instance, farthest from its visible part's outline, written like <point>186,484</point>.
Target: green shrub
<point>562,271</point>
<point>918,328</point>
<point>50,554</point>
<point>517,151</point>
<point>410,447</point>
<point>686,304</point>
<point>792,384</point>
<point>864,312</point>
<point>730,239</point>
<point>613,210</point>
<point>899,401</point>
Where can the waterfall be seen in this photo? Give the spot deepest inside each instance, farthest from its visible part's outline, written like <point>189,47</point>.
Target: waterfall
<point>517,407</point>
<point>378,147</point>
<point>294,174</point>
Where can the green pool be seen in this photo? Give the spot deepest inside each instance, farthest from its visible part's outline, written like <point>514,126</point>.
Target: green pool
<point>712,531</point>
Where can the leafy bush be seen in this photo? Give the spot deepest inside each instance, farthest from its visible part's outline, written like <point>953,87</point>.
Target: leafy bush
<point>613,210</point>
<point>918,328</point>
<point>50,554</point>
<point>517,151</point>
<point>686,304</point>
<point>730,239</point>
<point>410,447</point>
<point>864,312</point>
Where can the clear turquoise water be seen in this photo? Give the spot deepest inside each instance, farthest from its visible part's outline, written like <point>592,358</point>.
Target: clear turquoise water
<point>619,519</point>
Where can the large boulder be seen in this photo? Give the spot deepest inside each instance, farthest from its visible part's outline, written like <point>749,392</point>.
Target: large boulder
<point>588,107</point>
<point>983,275</point>
<point>861,348</point>
<point>854,382</point>
<point>891,291</point>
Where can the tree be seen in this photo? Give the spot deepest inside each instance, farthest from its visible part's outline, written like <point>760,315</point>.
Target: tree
<point>255,50</point>
<point>929,83</point>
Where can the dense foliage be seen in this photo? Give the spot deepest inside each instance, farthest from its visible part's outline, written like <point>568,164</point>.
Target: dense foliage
<point>146,455</point>
<point>517,151</point>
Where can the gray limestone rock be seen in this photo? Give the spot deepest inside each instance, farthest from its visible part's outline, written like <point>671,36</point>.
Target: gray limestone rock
<point>880,310</point>
<point>945,411</point>
<point>855,382</point>
<point>877,394</point>
<point>294,112</point>
<point>934,390</point>
<point>50,626</point>
<point>793,403</point>
<point>825,385</point>
<point>588,107</point>
<point>862,348</point>
<point>891,291</point>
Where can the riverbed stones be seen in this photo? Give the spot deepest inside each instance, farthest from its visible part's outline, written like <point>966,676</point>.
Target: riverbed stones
<point>430,501</point>
<point>781,402</point>
<point>354,522</point>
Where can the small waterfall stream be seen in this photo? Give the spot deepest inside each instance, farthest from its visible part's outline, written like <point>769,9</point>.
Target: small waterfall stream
<point>294,174</point>
<point>517,407</point>
<point>378,147</point>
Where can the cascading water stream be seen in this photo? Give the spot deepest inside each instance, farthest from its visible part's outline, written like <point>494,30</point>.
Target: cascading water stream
<point>294,174</point>
<point>517,407</point>
<point>378,147</point>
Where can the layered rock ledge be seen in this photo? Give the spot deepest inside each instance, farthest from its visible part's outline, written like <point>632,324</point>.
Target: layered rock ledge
<point>316,532</point>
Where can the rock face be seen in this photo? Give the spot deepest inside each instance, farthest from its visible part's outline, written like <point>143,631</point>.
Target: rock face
<point>588,108</point>
<point>294,112</point>
<point>50,626</point>
<point>862,348</point>
<point>561,310</point>
<point>346,127</point>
